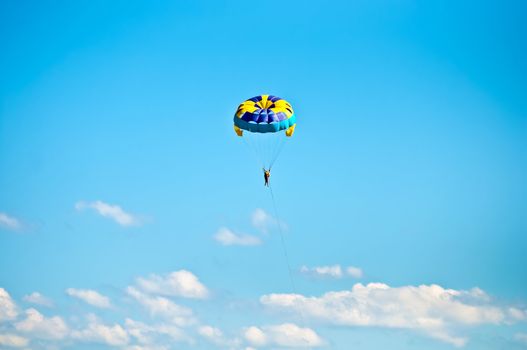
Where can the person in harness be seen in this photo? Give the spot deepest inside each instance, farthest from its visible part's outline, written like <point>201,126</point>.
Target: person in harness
<point>267,174</point>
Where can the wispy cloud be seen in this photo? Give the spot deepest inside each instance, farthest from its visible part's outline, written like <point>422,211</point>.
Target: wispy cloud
<point>38,326</point>
<point>162,307</point>
<point>353,271</point>
<point>114,212</point>
<point>333,271</point>
<point>39,299</point>
<point>226,237</point>
<point>97,332</point>
<point>431,309</point>
<point>9,222</point>
<point>147,334</point>
<point>264,221</point>
<point>215,336</point>
<point>521,337</point>
<point>13,340</point>
<point>260,220</point>
<point>180,283</point>
<point>283,335</point>
<point>89,296</point>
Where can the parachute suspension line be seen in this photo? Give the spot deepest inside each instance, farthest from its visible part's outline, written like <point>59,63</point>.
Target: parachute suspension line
<point>267,147</point>
<point>252,145</point>
<point>278,149</point>
<point>284,247</point>
<point>260,148</point>
<point>272,150</point>
<point>264,149</point>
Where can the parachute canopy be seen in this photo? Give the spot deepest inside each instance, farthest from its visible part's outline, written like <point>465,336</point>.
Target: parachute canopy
<point>265,114</point>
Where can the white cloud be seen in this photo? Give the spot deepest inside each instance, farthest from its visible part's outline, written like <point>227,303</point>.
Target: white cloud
<point>142,332</point>
<point>39,299</point>
<point>180,283</point>
<point>8,309</point>
<point>89,296</point>
<point>175,333</point>
<point>98,332</point>
<point>134,335</point>
<point>354,272</point>
<point>147,335</point>
<point>113,212</point>
<point>13,340</point>
<point>163,307</point>
<point>145,347</point>
<point>430,309</point>
<point>226,237</point>
<point>255,336</point>
<point>216,337</point>
<point>264,221</point>
<point>284,335</point>
<point>515,314</point>
<point>334,271</point>
<point>39,326</point>
<point>9,222</point>
<point>212,333</point>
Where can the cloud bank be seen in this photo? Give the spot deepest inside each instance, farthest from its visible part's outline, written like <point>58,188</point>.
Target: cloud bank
<point>430,309</point>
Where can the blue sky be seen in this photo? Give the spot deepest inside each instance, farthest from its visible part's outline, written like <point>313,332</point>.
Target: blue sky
<point>132,217</point>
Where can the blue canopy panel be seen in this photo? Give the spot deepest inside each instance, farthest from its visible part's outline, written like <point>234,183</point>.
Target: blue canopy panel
<point>254,122</point>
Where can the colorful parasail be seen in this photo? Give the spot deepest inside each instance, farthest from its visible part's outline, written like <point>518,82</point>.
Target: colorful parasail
<point>265,114</point>
<point>264,122</point>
